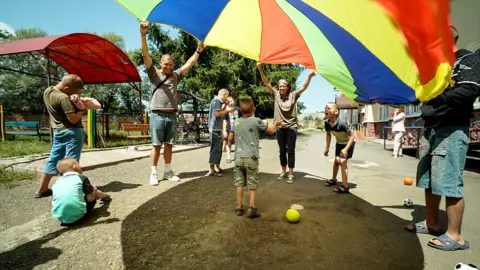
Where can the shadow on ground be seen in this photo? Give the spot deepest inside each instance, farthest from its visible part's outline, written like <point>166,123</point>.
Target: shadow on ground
<point>32,254</point>
<point>193,226</point>
<point>117,186</point>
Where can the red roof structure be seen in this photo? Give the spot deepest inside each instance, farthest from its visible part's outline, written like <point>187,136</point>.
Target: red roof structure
<point>95,59</point>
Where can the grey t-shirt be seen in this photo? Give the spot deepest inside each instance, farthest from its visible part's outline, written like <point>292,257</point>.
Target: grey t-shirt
<point>340,130</point>
<point>286,110</point>
<point>165,98</point>
<point>247,136</point>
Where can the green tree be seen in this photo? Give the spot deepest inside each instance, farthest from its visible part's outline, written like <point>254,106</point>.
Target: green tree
<point>20,92</point>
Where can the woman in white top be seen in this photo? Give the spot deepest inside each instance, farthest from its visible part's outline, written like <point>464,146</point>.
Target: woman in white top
<point>398,131</point>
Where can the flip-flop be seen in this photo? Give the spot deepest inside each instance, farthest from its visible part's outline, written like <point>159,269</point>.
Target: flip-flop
<point>421,228</point>
<point>43,194</point>
<point>448,244</point>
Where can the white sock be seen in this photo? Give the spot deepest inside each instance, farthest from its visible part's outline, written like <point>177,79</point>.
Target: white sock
<point>167,167</point>
<point>154,169</point>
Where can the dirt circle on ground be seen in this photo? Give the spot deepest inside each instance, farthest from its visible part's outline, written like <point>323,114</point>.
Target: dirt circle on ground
<point>193,226</point>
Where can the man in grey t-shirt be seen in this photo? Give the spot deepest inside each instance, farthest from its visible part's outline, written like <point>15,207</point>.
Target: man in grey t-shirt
<point>216,114</point>
<point>163,106</point>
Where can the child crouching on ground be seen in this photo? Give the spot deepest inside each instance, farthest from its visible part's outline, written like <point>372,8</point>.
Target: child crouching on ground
<point>343,148</point>
<point>73,194</point>
<point>246,133</point>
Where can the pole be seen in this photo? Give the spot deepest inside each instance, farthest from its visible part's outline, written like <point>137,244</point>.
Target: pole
<point>2,124</point>
<point>49,82</point>
<point>140,97</point>
<point>91,126</point>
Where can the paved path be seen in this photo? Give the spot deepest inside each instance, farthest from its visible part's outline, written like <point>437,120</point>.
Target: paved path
<point>95,158</point>
<point>30,238</point>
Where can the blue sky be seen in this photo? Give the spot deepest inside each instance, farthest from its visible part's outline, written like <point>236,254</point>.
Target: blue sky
<point>101,16</point>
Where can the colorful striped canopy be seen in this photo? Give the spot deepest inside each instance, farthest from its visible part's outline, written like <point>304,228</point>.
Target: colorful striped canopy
<point>373,51</point>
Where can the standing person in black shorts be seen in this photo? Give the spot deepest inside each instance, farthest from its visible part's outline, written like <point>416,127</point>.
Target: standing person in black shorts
<point>343,148</point>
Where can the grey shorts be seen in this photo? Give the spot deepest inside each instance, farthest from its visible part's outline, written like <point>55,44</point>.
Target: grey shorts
<point>443,153</point>
<point>163,127</point>
<point>215,147</point>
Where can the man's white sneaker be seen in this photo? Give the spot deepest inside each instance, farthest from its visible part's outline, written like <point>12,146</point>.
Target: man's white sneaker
<point>170,176</point>
<point>153,179</point>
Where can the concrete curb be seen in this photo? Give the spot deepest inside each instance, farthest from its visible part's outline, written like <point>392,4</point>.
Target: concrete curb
<point>110,163</point>
<point>106,164</point>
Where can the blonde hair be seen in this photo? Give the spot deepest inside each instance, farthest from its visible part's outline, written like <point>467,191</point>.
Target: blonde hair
<point>222,91</point>
<point>66,165</point>
<point>333,105</point>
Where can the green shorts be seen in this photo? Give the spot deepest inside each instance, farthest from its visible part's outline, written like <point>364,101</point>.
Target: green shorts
<point>246,172</point>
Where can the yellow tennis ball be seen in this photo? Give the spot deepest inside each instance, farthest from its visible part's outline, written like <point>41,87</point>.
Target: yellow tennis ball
<point>292,215</point>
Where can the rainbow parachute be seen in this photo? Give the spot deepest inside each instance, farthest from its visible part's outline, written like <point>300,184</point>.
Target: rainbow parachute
<point>373,51</point>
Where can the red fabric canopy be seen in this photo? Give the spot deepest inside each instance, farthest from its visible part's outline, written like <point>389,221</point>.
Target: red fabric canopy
<point>93,58</point>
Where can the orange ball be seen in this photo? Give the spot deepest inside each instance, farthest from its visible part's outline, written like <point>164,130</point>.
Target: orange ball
<point>408,181</point>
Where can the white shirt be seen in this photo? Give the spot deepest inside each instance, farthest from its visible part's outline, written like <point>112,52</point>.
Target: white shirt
<point>398,124</point>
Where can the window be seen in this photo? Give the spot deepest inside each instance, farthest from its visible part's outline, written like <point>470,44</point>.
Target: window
<point>384,112</point>
<point>412,109</point>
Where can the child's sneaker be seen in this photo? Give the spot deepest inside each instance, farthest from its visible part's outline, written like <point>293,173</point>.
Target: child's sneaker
<point>153,179</point>
<point>290,179</point>
<point>239,211</point>
<point>170,176</point>
<point>213,173</point>
<point>282,175</point>
<point>253,212</point>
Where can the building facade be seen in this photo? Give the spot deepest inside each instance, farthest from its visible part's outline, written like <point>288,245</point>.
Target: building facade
<point>465,17</point>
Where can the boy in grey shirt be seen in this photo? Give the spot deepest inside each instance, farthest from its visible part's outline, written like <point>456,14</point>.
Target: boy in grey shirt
<point>246,133</point>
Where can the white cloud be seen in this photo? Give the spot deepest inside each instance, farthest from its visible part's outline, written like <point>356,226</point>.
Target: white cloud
<point>6,27</point>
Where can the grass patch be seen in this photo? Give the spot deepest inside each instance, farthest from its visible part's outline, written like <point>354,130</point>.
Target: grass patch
<point>24,145</point>
<point>9,177</point>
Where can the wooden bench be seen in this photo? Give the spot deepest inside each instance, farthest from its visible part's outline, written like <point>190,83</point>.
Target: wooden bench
<point>35,126</point>
<point>144,128</point>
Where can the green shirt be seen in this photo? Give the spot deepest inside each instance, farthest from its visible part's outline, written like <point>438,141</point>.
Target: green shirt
<point>58,104</point>
<point>68,204</point>
<point>247,136</point>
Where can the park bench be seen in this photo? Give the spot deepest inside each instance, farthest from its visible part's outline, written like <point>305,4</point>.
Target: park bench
<point>144,128</point>
<point>34,129</point>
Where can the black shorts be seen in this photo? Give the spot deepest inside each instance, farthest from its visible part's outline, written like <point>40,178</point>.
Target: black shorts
<point>339,148</point>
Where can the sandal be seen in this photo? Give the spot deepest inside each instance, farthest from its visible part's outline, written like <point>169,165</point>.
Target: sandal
<point>448,244</point>
<point>331,182</point>
<point>341,189</point>
<point>421,228</point>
